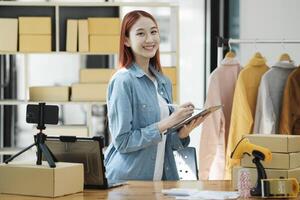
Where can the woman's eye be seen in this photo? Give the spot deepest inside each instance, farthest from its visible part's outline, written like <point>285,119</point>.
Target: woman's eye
<point>154,32</point>
<point>140,34</point>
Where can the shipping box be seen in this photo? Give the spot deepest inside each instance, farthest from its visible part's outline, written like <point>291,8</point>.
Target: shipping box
<point>35,25</point>
<point>89,92</point>
<point>96,75</point>
<point>49,93</point>
<point>104,44</point>
<point>41,180</point>
<point>104,26</point>
<point>279,161</point>
<point>277,143</point>
<point>35,43</point>
<point>8,35</point>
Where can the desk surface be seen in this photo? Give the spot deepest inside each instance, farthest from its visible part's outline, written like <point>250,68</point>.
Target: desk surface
<point>135,190</point>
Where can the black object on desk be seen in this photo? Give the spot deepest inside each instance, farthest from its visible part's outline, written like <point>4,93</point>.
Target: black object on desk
<point>41,114</point>
<point>87,151</point>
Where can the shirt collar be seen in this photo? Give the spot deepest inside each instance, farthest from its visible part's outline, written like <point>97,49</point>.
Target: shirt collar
<point>286,65</point>
<point>138,72</point>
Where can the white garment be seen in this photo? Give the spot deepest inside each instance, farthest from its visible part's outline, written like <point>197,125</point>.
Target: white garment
<point>160,155</point>
<point>269,99</point>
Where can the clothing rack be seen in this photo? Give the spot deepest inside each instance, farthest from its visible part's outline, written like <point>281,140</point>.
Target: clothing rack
<point>228,41</point>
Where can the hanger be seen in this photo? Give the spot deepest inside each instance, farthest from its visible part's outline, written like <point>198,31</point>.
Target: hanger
<point>258,55</point>
<point>230,53</point>
<point>285,58</point>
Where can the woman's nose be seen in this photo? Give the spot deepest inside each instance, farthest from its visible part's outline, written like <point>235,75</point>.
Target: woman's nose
<point>149,38</point>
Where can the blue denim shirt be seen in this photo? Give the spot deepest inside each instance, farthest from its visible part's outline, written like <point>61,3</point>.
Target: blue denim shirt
<point>133,115</point>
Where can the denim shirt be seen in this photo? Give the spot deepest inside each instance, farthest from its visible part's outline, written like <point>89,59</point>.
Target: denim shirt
<point>133,115</point>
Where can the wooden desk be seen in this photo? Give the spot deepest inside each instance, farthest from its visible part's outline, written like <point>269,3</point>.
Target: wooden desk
<point>135,190</point>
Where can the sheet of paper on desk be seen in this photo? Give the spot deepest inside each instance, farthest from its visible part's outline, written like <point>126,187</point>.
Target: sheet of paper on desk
<point>181,193</point>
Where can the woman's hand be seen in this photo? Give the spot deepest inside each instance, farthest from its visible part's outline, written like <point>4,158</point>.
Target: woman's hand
<point>181,113</point>
<point>186,129</point>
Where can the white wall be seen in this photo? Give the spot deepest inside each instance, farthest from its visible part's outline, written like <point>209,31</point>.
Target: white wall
<point>192,57</point>
<point>269,19</point>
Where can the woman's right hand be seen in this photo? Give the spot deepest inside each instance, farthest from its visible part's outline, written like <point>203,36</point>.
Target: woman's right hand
<point>181,113</point>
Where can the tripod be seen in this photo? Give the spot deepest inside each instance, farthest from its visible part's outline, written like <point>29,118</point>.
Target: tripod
<point>39,142</point>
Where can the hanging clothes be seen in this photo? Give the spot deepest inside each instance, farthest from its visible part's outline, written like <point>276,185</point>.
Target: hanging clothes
<point>244,104</point>
<point>215,128</point>
<point>290,113</point>
<point>269,99</point>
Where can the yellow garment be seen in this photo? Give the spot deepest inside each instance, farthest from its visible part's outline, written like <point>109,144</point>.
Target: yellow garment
<point>244,104</point>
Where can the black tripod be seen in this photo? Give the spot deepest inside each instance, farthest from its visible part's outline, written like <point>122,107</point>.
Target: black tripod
<point>39,142</point>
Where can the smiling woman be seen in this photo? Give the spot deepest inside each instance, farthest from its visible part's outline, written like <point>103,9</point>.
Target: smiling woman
<point>138,111</point>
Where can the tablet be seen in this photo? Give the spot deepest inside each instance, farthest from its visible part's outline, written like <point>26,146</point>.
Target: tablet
<point>188,120</point>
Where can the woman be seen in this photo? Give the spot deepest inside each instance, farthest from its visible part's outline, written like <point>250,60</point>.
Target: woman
<point>138,113</point>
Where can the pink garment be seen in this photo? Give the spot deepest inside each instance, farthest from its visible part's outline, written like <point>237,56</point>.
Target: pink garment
<point>215,128</point>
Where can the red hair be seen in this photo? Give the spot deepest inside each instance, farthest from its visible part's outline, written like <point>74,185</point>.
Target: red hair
<point>126,55</point>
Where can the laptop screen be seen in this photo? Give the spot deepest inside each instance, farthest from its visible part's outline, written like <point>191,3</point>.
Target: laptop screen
<point>81,150</point>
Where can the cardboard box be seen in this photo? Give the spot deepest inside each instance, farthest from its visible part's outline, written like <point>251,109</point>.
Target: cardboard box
<point>41,180</point>
<point>96,75</point>
<point>271,173</point>
<point>104,44</point>
<point>83,39</point>
<point>277,143</point>
<point>72,29</point>
<point>279,161</point>
<point>104,26</point>
<point>174,91</point>
<point>49,93</point>
<point>8,35</point>
<point>67,130</point>
<point>35,43</point>
<point>89,92</point>
<point>170,72</point>
<point>35,25</point>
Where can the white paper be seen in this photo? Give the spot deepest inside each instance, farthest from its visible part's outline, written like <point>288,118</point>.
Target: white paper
<point>186,193</point>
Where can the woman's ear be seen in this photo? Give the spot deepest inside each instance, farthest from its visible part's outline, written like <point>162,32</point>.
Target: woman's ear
<point>127,42</point>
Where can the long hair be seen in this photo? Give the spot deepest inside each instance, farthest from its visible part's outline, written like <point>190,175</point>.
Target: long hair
<point>126,55</point>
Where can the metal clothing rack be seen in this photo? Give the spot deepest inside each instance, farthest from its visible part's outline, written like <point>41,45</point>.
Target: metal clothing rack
<point>228,41</point>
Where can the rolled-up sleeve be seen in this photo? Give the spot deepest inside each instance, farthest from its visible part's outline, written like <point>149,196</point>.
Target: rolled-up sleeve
<point>124,138</point>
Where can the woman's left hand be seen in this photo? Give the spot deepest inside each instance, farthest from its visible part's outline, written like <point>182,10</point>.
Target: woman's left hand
<point>186,129</point>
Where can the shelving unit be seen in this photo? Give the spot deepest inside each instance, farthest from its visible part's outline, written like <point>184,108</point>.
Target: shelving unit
<point>60,12</point>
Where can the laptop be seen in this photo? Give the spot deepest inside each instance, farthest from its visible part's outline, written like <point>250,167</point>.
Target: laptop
<point>82,150</point>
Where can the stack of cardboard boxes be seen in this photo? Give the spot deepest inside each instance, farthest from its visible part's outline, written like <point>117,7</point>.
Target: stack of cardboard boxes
<point>104,34</point>
<point>35,34</point>
<point>285,158</point>
<point>98,35</point>
<point>92,85</point>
